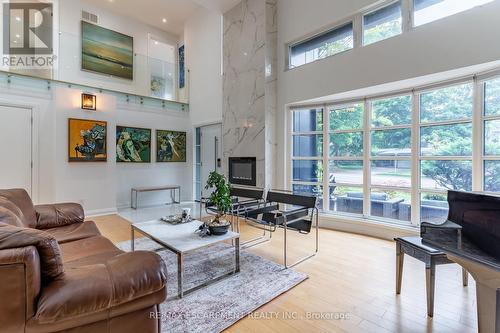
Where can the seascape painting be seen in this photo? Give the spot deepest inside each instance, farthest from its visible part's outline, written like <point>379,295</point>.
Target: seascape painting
<point>87,140</point>
<point>133,144</point>
<point>170,146</point>
<point>106,51</point>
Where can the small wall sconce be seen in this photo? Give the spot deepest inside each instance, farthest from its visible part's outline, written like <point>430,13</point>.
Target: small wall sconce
<point>89,102</point>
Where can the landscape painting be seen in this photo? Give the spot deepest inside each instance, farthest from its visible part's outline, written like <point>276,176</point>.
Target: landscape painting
<point>170,146</point>
<point>87,140</point>
<point>106,51</point>
<point>133,144</point>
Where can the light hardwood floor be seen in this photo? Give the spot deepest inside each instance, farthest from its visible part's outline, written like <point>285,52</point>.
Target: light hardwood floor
<point>353,275</point>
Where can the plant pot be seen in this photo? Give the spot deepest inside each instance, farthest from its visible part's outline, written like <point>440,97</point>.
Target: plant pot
<point>218,230</point>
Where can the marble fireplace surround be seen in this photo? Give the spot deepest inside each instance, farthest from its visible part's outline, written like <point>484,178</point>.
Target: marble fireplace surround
<point>249,85</point>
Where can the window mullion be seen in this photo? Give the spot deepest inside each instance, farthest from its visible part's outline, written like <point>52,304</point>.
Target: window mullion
<point>366,158</point>
<point>477,137</point>
<point>415,161</point>
<point>326,154</point>
<point>406,14</point>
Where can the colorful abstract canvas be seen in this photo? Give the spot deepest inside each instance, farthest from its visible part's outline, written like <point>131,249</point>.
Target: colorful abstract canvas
<point>87,140</point>
<point>106,51</point>
<point>133,144</point>
<point>170,146</point>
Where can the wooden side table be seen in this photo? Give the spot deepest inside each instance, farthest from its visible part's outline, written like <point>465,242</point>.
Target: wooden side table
<point>413,247</point>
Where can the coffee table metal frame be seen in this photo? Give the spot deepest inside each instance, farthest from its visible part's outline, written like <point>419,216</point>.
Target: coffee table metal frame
<point>180,257</point>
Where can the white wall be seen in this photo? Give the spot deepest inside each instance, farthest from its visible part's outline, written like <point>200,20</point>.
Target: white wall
<point>203,45</point>
<point>100,187</point>
<point>69,68</point>
<point>104,186</point>
<point>462,40</point>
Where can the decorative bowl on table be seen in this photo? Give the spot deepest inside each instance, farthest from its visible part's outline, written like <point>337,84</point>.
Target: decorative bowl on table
<point>219,228</point>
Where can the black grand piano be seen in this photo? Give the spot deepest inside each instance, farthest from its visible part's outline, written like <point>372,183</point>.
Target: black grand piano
<point>471,238</point>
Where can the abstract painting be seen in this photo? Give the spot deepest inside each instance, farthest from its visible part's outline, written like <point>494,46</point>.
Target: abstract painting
<point>133,144</point>
<point>87,140</point>
<point>106,51</point>
<point>170,146</point>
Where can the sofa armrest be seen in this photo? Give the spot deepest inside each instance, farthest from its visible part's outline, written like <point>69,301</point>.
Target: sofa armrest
<point>57,215</point>
<point>20,276</point>
<point>49,252</point>
<point>94,289</point>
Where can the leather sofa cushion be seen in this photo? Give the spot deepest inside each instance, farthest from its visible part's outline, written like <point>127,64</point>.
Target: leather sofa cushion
<point>58,215</point>
<point>23,201</point>
<point>88,251</point>
<point>51,264</point>
<point>95,288</point>
<point>73,232</point>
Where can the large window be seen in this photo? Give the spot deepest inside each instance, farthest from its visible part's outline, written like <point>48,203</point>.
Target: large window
<point>324,45</point>
<point>345,158</point>
<point>307,151</point>
<point>395,157</point>
<point>445,147</point>
<point>426,11</point>
<point>390,157</point>
<point>491,136</point>
<point>382,24</point>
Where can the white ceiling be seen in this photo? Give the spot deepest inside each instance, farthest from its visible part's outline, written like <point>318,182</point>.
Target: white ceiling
<point>152,12</point>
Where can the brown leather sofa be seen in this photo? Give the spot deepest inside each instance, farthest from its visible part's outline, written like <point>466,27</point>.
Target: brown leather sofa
<point>59,274</point>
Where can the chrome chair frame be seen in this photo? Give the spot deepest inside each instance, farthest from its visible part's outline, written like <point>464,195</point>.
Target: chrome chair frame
<point>238,207</point>
<point>285,218</point>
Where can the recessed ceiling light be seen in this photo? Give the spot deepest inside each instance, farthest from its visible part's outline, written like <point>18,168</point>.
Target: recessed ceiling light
<point>156,42</point>
<point>164,20</point>
<point>18,36</point>
<point>18,18</point>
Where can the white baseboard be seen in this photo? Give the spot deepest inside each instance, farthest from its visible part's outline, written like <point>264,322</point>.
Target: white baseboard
<point>101,212</point>
<point>367,227</point>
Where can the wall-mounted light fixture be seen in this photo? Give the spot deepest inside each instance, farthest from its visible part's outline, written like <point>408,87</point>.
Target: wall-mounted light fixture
<point>89,101</point>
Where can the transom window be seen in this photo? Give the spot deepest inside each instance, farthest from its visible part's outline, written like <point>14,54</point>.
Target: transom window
<point>372,25</point>
<point>394,158</point>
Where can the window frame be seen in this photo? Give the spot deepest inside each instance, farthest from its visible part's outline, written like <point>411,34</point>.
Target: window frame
<point>377,7</point>
<point>318,33</point>
<point>478,157</point>
<point>357,20</point>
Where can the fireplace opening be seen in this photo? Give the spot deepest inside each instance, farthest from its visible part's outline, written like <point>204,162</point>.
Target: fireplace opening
<point>243,171</point>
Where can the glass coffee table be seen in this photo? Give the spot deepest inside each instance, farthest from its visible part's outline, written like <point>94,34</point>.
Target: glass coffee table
<point>181,239</point>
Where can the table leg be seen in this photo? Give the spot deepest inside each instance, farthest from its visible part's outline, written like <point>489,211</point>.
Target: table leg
<point>430,278</point>
<point>237,254</point>
<point>399,267</point>
<point>465,277</point>
<point>179,195</point>
<point>180,269</point>
<point>132,246</point>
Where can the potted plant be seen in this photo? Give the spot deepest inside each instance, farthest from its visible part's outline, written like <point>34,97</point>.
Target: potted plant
<point>221,199</point>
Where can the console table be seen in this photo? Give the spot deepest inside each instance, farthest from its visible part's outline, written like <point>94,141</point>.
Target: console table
<point>171,188</point>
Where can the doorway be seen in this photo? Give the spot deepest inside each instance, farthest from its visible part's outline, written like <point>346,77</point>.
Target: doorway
<point>208,156</point>
<point>16,148</point>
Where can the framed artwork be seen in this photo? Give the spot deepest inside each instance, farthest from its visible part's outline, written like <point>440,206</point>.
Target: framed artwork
<point>170,146</point>
<point>107,52</point>
<point>87,140</point>
<point>182,77</point>
<point>133,144</point>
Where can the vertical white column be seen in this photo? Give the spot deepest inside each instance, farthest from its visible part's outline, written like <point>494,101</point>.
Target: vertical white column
<point>477,137</point>
<point>326,156</point>
<point>366,159</point>
<point>415,160</point>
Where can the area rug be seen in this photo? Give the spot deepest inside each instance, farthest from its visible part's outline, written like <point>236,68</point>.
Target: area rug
<point>219,305</point>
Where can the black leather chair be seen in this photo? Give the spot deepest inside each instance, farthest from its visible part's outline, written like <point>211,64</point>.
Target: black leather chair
<point>287,211</point>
